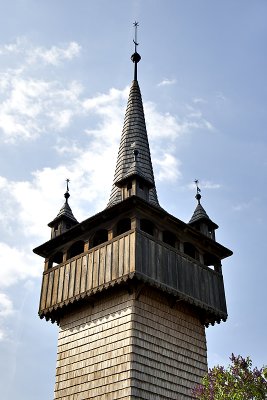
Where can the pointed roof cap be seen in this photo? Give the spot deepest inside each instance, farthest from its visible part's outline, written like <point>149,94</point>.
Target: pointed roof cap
<point>134,154</point>
<point>65,211</point>
<point>199,213</point>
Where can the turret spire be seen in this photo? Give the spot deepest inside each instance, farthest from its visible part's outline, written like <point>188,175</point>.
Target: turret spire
<point>200,219</point>
<point>65,218</point>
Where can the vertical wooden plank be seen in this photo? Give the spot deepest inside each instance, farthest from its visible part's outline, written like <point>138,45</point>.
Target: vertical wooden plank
<point>72,278</point>
<point>44,291</point>
<point>66,282</point>
<point>145,250</point>
<point>89,280</point>
<point>152,258</point>
<point>55,287</point>
<point>96,268</point>
<point>102,262</point>
<point>216,290</point>
<point>164,265</point>
<point>78,276</point>
<point>49,289</point>
<point>108,263</point>
<point>172,268</point>
<point>195,278</point>
<point>121,256</point>
<point>132,252</point>
<point>61,283</point>
<point>178,266</point>
<point>126,255</point>
<point>84,273</point>
<point>206,287</point>
<point>139,258</point>
<point>158,261</point>
<point>115,260</point>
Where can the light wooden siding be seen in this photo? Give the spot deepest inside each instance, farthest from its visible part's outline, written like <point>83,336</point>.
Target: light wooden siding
<point>167,266</point>
<point>94,351</point>
<point>169,350</point>
<point>123,348</point>
<point>97,267</point>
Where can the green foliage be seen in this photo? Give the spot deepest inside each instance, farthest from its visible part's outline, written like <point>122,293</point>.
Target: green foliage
<point>237,382</point>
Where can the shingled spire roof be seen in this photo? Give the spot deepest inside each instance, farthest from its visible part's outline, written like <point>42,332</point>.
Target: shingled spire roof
<point>65,211</point>
<point>134,154</point>
<point>199,213</point>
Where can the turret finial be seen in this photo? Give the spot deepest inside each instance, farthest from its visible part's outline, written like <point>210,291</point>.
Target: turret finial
<point>198,195</point>
<point>67,195</point>
<point>135,57</point>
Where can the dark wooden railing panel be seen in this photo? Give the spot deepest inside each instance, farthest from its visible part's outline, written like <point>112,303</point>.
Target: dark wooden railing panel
<point>185,275</point>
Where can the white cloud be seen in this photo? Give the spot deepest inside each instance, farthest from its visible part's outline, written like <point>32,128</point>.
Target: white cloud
<point>167,82</point>
<point>35,54</point>
<point>199,100</point>
<point>242,206</point>
<point>6,309</point>
<point>55,55</point>
<point>167,167</point>
<point>6,306</point>
<point>16,265</point>
<point>31,105</point>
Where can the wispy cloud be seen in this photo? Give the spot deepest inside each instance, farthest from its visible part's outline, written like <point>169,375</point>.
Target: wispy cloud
<point>31,54</point>
<point>199,100</point>
<point>242,206</point>
<point>204,185</point>
<point>167,82</point>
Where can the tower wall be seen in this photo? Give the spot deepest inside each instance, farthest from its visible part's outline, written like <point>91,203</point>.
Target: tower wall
<point>129,346</point>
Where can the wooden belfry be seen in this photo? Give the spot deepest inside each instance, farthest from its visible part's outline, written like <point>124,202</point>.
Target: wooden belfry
<point>132,287</point>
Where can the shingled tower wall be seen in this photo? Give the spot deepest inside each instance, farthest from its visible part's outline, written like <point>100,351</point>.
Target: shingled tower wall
<point>133,287</point>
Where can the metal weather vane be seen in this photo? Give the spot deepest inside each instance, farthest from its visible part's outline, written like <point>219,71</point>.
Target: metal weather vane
<point>136,24</point>
<point>67,195</point>
<point>135,57</point>
<point>198,195</point>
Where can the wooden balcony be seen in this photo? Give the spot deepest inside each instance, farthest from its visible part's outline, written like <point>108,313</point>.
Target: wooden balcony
<point>134,255</point>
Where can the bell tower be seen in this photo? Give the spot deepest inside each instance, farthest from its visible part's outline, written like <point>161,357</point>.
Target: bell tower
<point>132,288</point>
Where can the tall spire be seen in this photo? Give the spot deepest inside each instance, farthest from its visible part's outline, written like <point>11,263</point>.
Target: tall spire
<point>134,159</point>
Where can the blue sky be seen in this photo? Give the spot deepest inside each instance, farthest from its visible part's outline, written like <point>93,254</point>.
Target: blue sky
<point>65,72</point>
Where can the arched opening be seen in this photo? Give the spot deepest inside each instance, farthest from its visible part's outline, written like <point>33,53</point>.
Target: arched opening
<point>211,261</point>
<point>169,238</point>
<point>99,237</point>
<point>190,250</point>
<point>147,226</point>
<point>56,259</point>
<point>123,225</point>
<point>75,249</point>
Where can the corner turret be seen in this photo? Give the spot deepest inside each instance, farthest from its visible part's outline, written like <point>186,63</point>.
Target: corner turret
<point>65,218</point>
<point>200,219</point>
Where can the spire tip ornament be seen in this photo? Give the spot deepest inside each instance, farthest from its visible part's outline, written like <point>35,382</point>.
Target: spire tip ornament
<point>135,56</point>
<point>67,195</point>
<point>198,195</point>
